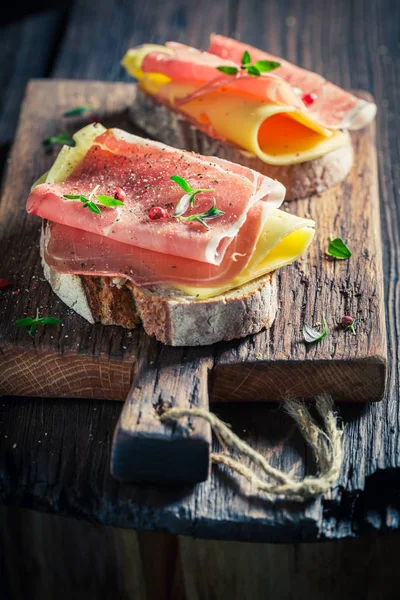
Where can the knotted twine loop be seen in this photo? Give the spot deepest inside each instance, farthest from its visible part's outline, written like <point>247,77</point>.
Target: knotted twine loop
<point>325,444</point>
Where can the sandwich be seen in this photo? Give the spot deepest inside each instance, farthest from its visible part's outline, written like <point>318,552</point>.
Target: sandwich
<point>242,104</point>
<point>139,233</point>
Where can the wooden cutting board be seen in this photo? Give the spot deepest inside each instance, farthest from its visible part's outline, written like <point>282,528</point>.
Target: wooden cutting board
<point>83,360</point>
<point>92,361</point>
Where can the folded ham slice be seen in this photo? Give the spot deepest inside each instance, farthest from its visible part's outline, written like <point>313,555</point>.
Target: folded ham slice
<point>143,168</point>
<point>333,107</point>
<point>191,65</point>
<point>70,250</point>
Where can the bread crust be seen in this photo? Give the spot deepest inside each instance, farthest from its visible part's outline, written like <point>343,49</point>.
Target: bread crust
<point>164,312</point>
<point>300,180</point>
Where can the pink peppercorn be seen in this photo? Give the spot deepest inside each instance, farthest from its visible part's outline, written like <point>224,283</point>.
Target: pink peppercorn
<point>347,321</point>
<point>157,212</point>
<point>5,283</point>
<point>309,99</point>
<point>119,194</point>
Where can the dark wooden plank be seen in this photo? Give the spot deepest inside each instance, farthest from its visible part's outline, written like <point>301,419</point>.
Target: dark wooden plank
<point>51,557</point>
<point>26,48</point>
<point>90,34</point>
<point>69,473</point>
<point>144,448</point>
<point>66,472</point>
<point>264,367</point>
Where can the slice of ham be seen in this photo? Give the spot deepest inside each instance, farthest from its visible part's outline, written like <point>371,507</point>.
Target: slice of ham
<point>268,86</point>
<point>70,250</point>
<point>185,64</point>
<point>142,168</point>
<point>333,107</point>
<point>192,65</point>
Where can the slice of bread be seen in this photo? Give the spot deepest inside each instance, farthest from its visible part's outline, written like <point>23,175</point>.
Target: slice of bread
<point>300,180</point>
<point>163,311</point>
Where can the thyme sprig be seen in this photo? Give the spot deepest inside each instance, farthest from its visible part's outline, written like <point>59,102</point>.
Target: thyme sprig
<point>77,111</point>
<point>188,198</point>
<point>212,213</point>
<point>312,335</point>
<point>33,322</point>
<point>64,139</point>
<point>93,205</point>
<point>260,66</point>
<point>348,324</point>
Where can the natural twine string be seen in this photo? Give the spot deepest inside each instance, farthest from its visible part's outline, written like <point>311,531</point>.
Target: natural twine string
<point>325,444</point>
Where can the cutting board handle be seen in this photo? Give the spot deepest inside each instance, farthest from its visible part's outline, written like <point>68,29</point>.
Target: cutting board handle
<point>146,450</point>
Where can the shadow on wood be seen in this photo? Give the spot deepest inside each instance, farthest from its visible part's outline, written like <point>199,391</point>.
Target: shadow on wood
<point>43,557</point>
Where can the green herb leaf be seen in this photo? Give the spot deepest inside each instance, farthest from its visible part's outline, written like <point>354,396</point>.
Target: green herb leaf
<point>351,327</point>
<point>182,183</point>
<point>228,70</point>
<point>211,213</point>
<point>188,198</point>
<point>312,335</point>
<point>253,71</point>
<point>338,249</point>
<point>92,207</point>
<point>186,201</point>
<point>109,201</point>
<point>50,321</point>
<point>33,327</point>
<point>33,322</point>
<point>263,66</point>
<point>260,66</point>
<point>77,111</point>
<point>183,205</point>
<point>65,139</point>
<point>246,60</point>
<point>24,322</point>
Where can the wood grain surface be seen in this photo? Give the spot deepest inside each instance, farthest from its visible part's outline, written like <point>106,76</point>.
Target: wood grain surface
<point>51,557</point>
<point>25,48</point>
<point>79,359</point>
<point>144,449</point>
<point>54,454</point>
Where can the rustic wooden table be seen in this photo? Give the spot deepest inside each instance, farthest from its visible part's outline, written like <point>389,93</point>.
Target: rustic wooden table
<point>55,454</point>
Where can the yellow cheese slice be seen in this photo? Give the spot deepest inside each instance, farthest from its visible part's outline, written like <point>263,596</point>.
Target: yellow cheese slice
<point>133,59</point>
<point>284,238</point>
<point>69,157</point>
<point>272,132</point>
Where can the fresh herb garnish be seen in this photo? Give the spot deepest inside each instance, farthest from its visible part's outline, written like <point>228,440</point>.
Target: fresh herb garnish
<point>91,205</point>
<point>78,111</point>
<point>348,323</point>
<point>109,201</point>
<point>189,198</point>
<point>226,70</point>
<point>64,138</point>
<point>246,59</point>
<point>312,335</point>
<point>33,322</point>
<point>208,215</point>
<point>260,66</point>
<point>338,249</point>
<point>351,328</point>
